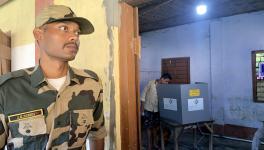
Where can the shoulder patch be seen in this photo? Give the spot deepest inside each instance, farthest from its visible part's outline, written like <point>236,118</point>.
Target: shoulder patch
<point>11,75</point>
<point>30,70</point>
<point>86,73</point>
<point>92,74</point>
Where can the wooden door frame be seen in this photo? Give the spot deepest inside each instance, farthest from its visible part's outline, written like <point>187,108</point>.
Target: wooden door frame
<point>129,50</point>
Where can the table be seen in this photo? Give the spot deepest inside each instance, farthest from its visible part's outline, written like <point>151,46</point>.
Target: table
<point>178,129</point>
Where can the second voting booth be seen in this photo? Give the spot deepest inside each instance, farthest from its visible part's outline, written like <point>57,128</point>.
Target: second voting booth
<point>185,105</point>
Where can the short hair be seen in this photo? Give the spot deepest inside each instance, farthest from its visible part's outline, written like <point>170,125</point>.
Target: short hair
<point>166,76</point>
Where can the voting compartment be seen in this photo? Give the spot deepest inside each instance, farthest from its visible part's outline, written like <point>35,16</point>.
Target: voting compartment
<point>184,103</point>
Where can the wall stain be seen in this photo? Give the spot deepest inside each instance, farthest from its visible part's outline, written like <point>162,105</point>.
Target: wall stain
<point>240,108</point>
<point>110,15</point>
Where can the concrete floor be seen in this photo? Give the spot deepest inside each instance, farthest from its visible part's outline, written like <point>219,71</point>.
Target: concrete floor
<point>219,143</point>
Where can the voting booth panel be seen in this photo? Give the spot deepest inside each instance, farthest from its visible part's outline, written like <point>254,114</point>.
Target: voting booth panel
<point>184,103</point>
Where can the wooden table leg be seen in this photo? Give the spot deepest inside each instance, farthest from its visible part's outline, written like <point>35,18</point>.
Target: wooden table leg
<point>162,137</point>
<point>177,133</point>
<point>176,146</point>
<point>211,137</point>
<point>210,127</point>
<point>195,136</point>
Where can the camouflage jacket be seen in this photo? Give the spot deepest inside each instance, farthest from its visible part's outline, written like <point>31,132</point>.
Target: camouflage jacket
<point>35,116</point>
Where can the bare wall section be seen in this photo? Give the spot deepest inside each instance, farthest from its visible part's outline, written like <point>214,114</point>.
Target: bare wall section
<point>18,17</point>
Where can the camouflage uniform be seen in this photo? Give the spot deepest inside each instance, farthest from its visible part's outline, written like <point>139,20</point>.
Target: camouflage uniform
<point>35,116</point>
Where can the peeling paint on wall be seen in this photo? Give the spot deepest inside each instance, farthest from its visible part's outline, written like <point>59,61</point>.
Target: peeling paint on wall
<point>111,18</point>
<point>240,108</point>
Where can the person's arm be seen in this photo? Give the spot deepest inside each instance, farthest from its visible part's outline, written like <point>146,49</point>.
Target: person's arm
<point>96,144</point>
<point>3,135</point>
<point>143,95</point>
<point>98,131</point>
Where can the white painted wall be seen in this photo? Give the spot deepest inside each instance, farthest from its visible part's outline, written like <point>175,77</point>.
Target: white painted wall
<point>23,56</point>
<point>220,54</point>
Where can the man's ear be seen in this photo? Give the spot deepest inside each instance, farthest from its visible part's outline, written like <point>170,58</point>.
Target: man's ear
<point>38,34</point>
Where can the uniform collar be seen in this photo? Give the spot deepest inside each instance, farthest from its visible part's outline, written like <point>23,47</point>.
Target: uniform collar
<point>75,74</point>
<point>37,76</point>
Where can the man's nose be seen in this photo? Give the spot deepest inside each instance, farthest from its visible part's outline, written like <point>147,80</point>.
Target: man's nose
<point>74,37</point>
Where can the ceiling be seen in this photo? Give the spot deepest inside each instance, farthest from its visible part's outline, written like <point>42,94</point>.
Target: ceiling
<point>159,14</point>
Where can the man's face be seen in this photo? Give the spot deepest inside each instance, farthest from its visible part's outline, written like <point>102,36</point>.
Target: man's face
<point>60,40</point>
<point>164,81</point>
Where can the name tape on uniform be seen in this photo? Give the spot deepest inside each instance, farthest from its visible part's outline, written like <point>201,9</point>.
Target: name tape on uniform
<point>25,115</point>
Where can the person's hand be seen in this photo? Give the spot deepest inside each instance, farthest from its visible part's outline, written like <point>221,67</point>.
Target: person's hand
<point>142,109</point>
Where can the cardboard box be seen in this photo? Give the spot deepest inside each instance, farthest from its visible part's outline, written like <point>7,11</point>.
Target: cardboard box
<point>5,39</point>
<point>5,52</point>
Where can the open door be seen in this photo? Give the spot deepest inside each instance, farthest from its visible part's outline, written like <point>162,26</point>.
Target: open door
<point>129,44</point>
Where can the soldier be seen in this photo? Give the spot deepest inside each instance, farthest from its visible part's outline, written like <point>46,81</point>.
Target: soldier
<point>53,105</point>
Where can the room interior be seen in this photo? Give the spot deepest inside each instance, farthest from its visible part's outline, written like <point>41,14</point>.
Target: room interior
<point>220,45</point>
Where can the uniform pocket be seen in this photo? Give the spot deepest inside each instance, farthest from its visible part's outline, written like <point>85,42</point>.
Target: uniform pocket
<point>81,123</point>
<point>28,133</point>
<point>28,127</point>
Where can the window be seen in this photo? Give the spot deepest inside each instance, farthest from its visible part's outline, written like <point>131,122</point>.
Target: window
<point>178,68</point>
<point>258,75</point>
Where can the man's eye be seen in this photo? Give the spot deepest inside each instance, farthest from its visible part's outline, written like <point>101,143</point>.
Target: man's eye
<point>77,32</point>
<point>63,28</point>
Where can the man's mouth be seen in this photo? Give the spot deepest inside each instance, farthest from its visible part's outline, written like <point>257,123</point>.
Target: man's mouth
<point>72,46</point>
